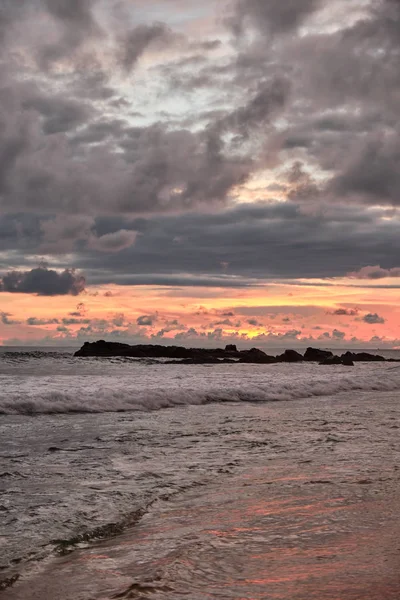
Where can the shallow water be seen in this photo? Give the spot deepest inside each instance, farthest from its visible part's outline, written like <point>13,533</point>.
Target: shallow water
<point>34,383</point>
<point>262,537</point>
<point>289,500</point>
<point>199,488</point>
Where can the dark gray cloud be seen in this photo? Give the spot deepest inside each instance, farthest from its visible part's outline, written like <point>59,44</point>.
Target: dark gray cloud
<point>9,11</point>
<point>6,319</point>
<point>272,16</point>
<point>254,323</point>
<point>75,321</point>
<point>255,241</point>
<point>375,273</point>
<point>99,156</point>
<point>114,242</point>
<point>43,282</point>
<point>268,99</point>
<point>77,23</point>
<point>338,335</point>
<point>240,247</point>
<point>146,320</point>
<point>59,114</point>
<point>373,174</point>
<point>345,312</point>
<point>34,321</point>
<point>154,170</point>
<point>137,40</point>
<point>373,319</point>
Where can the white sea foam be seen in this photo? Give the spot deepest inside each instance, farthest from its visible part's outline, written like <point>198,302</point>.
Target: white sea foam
<point>65,474</point>
<point>138,387</point>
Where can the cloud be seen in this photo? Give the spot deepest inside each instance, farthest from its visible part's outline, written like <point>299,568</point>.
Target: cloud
<point>114,242</point>
<point>373,319</point>
<point>189,334</point>
<point>146,320</point>
<point>338,335</point>
<point>269,98</point>
<point>375,273</point>
<point>74,321</point>
<point>80,310</point>
<point>34,321</point>
<point>138,39</point>
<point>254,323</point>
<point>77,24</point>
<point>43,282</point>
<point>328,244</point>
<point>373,172</point>
<point>5,319</point>
<point>272,16</point>
<point>147,152</point>
<point>345,312</point>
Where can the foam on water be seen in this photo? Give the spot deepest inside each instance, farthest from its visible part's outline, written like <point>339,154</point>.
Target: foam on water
<point>69,471</point>
<point>39,383</point>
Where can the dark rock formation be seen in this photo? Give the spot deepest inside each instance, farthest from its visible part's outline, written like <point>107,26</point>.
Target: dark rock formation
<point>102,348</point>
<point>230,354</point>
<point>347,362</point>
<point>201,361</point>
<point>337,360</point>
<point>290,356</point>
<point>317,355</point>
<point>362,357</point>
<point>256,356</point>
<point>332,360</point>
<point>175,353</point>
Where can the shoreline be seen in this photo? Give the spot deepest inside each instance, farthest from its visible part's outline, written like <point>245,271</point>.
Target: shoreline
<point>334,457</point>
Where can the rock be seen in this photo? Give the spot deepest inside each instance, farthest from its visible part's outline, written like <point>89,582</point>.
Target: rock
<point>110,349</point>
<point>362,357</point>
<point>103,348</point>
<point>206,360</point>
<point>190,356</point>
<point>317,355</point>
<point>347,362</point>
<point>332,360</point>
<point>230,353</point>
<point>256,356</point>
<point>290,356</point>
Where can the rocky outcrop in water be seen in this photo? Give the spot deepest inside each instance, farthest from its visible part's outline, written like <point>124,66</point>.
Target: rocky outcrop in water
<point>256,356</point>
<point>229,354</point>
<point>317,355</point>
<point>362,357</point>
<point>290,356</point>
<point>337,360</point>
<point>176,353</point>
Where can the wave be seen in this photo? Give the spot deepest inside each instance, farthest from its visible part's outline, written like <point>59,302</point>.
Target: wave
<point>128,400</point>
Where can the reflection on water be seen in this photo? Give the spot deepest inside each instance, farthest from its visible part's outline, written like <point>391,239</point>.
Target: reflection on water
<point>284,501</point>
<point>258,537</point>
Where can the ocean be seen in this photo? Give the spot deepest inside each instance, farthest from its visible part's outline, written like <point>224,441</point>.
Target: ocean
<point>125,478</point>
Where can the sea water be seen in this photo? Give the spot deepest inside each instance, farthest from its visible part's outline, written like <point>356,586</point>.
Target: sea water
<point>137,479</point>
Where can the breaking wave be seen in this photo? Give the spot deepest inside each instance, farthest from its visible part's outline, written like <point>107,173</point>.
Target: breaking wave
<point>125,400</point>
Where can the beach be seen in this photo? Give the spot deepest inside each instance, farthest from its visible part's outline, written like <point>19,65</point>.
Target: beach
<point>288,498</point>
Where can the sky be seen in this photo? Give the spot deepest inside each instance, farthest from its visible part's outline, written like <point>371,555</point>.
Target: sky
<point>200,173</point>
